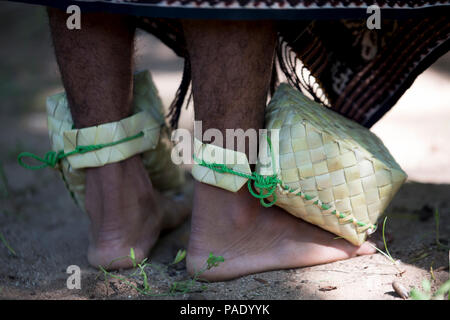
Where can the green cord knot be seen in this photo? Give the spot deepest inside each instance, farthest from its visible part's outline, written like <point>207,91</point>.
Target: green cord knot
<point>266,185</point>
<point>52,158</point>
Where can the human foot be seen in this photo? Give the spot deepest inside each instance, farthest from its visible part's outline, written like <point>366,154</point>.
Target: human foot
<point>126,212</point>
<point>253,239</point>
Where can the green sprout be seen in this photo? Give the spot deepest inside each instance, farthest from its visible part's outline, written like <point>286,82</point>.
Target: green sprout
<point>181,254</point>
<point>177,287</point>
<point>387,253</point>
<point>426,294</point>
<point>10,249</point>
<point>4,185</point>
<point>438,241</point>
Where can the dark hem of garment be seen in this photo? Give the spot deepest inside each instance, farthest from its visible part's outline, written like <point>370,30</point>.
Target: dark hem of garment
<point>157,11</point>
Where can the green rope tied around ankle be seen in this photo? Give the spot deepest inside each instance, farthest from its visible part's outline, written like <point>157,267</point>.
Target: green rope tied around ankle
<point>52,158</point>
<point>268,185</point>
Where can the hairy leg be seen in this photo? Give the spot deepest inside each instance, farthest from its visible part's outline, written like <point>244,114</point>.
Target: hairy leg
<point>231,69</point>
<point>232,64</point>
<point>96,65</point>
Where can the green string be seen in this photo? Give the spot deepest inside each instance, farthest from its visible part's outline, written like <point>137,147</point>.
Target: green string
<point>52,158</point>
<point>267,184</point>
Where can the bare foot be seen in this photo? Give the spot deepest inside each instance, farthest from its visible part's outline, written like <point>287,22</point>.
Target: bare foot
<point>126,212</point>
<point>253,239</point>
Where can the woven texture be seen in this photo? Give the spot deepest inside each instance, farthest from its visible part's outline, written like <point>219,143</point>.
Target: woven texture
<point>332,172</point>
<point>154,145</point>
<point>278,4</point>
<point>333,159</point>
<point>112,132</point>
<point>214,154</point>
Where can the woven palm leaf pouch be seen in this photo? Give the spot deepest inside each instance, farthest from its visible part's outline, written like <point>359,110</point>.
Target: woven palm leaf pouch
<point>314,163</point>
<point>334,173</point>
<point>144,132</point>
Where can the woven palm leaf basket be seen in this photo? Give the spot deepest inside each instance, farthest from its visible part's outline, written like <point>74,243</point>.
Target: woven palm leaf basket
<point>319,166</point>
<point>345,173</point>
<point>147,118</point>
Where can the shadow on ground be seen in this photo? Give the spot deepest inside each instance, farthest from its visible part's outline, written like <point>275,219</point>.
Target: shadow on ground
<point>47,232</point>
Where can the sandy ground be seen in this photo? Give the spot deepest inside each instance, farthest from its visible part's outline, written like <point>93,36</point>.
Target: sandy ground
<point>47,232</point>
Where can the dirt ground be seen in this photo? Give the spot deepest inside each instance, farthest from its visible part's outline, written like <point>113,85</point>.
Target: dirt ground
<point>45,231</point>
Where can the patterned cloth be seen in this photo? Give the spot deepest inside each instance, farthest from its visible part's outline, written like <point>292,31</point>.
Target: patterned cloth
<point>359,73</point>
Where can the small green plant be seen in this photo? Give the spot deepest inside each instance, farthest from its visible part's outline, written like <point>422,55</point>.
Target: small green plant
<point>419,256</point>
<point>177,287</point>
<point>444,289</point>
<point>181,254</point>
<point>144,288</point>
<point>10,249</point>
<point>133,257</point>
<point>186,286</point>
<point>437,239</point>
<point>141,266</point>
<point>426,294</point>
<point>4,185</point>
<point>213,261</point>
<point>387,253</point>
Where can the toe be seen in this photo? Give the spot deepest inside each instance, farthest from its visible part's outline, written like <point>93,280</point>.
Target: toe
<point>366,248</point>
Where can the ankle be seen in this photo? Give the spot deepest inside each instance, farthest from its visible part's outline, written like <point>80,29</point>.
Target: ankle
<point>236,209</point>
